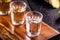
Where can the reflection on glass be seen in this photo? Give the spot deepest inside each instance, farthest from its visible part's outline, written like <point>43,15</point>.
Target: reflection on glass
<point>17,12</point>
<point>33,23</point>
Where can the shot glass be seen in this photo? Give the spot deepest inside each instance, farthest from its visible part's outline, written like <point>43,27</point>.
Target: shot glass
<point>33,23</point>
<point>17,10</point>
<point>4,7</point>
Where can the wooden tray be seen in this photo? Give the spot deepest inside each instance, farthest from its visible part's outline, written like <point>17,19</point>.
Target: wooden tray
<point>20,32</point>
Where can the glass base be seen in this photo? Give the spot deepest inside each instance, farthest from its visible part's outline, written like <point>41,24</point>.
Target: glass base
<point>33,35</point>
<point>3,13</point>
<point>17,23</point>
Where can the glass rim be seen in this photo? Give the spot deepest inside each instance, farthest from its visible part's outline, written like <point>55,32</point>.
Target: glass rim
<point>19,1</point>
<point>36,12</point>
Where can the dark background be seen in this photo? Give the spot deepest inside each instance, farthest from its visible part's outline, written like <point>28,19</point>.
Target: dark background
<point>51,16</point>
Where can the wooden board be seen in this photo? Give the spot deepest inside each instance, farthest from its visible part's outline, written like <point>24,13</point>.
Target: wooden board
<point>20,32</point>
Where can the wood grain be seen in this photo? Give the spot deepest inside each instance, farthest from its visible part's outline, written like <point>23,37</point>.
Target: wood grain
<point>20,31</point>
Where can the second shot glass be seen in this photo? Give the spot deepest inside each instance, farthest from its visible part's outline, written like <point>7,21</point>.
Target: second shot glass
<point>17,10</point>
<point>33,23</point>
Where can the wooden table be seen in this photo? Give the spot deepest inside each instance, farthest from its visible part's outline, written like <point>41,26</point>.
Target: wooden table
<point>20,32</point>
